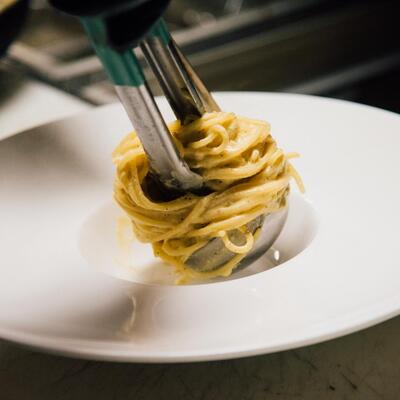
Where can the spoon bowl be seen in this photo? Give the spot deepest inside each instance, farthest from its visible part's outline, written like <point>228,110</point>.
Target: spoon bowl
<point>214,254</point>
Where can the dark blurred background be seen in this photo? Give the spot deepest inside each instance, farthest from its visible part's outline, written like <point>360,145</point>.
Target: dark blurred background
<point>343,49</point>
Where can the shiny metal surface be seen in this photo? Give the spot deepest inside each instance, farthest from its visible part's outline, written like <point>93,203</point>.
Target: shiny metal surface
<point>156,139</point>
<point>181,95</point>
<point>192,80</point>
<point>215,254</point>
<point>270,231</point>
<point>184,90</point>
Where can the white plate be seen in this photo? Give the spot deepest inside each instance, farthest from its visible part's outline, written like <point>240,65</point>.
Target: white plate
<point>55,186</point>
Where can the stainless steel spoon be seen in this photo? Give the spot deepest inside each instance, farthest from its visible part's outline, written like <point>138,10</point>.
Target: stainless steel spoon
<point>214,254</point>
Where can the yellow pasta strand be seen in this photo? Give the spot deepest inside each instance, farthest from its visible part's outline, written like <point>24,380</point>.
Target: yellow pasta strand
<point>238,159</point>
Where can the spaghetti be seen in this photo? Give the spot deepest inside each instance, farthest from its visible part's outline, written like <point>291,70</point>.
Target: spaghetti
<point>237,158</point>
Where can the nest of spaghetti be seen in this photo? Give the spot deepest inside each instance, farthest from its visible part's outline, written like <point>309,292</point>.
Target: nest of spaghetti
<point>240,162</point>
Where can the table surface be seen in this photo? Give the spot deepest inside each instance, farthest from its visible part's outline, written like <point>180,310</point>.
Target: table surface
<point>364,365</point>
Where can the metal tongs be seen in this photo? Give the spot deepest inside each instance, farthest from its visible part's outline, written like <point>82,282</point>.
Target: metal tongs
<point>113,33</point>
<point>188,98</point>
<point>184,90</point>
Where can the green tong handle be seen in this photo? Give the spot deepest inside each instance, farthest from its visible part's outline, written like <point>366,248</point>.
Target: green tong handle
<point>122,67</point>
<point>125,72</point>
